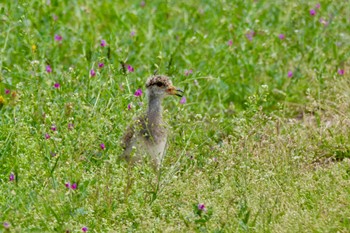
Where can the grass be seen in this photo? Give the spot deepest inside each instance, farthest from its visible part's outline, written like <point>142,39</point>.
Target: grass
<point>263,152</point>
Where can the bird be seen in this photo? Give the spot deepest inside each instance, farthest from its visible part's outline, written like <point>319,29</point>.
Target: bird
<point>147,135</point>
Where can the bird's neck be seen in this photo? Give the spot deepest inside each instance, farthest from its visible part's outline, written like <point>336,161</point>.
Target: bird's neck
<point>154,111</point>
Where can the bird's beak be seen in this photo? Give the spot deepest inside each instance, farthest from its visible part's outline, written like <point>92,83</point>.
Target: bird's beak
<point>174,91</point>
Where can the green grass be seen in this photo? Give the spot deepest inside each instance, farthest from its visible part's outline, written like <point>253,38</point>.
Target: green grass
<point>262,152</point>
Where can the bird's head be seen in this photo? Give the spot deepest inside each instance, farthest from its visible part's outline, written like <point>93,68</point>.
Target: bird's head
<point>161,86</point>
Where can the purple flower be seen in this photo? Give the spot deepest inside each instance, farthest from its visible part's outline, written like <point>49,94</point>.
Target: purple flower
<point>129,106</point>
<point>48,69</point>
<point>250,35</point>
<point>6,225</point>
<point>74,186</point>
<point>53,154</point>
<point>312,12</point>
<point>58,38</point>
<point>67,185</point>
<point>56,85</point>
<point>281,36</point>
<point>230,43</point>
<point>183,100</point>
<point>53,128</point>
<point>341,71</point>
<point>130,68</point>
<point>7,91</point>
<point>290,74</point>
<point>188,72</point>
<point>142,4</point>
<point>132,33</point>
<point>138,92</point>
<point>101,65</point>
<point>318,5</point>
<point>201,207</point>
<point>84,229</point>
<point>70,126</point>
<point>92,73</point>
<point>12,177</point>
<point>47,136</point>
<point>103,43</point>
<point>102,146</point>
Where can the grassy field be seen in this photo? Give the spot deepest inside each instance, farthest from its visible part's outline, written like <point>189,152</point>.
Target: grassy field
<point>261,144</point>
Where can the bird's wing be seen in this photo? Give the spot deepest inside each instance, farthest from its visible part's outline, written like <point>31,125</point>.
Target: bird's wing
<point>127,142</point>
<point>130,137</point>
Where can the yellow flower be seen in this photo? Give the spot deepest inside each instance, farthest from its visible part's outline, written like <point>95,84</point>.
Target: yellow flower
<point>33,48</point>
<point>2,100</point>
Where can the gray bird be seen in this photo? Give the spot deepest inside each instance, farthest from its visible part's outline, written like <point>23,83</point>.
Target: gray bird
<point>148,134</point>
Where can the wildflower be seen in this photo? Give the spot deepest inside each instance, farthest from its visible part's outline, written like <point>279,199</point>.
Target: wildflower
<point>281,36</point>
<point>33,48</point>
<point>12,177</point>
<point>58,37</point>
<point>48,69</point>
<point>188,72</point>
<point>132,33</point>
<point>103,43</point>
<point>53,128</point>
<point>70,126</point>
<point>230,43</point>
<point>250,35</point>
<point>121,87</point>
<point>7,91</point>
<point>102,146</point>
<point>84,229</point>
<point>101,65</point>
<point>6,225</point>
<point>129,106</point>
<point>34,62</point>
<point>74,186</point>
<point>2,100</point>
<point>142,4</point>
<point>130,68</point>
<point>47,136</point>
<point>183,100</point>
<point>55,17</point>
<point>312,12</point>
<point>138,92</point>
<point>53,154</point>
<point>13,94</point>
<point>56,85</point>
<point>67,185</point>
<point>290,74</point>
<point>201,207</point>
<point>341,71</point>
<point>323,21</point>
<point>92,73</point>
<point>318,5</point>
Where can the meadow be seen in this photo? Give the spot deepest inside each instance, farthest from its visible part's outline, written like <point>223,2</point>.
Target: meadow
<point>259,143</point>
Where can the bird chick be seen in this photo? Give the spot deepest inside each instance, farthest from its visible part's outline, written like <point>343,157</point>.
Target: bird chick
<point>148,134</point>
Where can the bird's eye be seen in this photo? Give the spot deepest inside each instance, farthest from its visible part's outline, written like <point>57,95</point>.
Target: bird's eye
<point>159,84</point>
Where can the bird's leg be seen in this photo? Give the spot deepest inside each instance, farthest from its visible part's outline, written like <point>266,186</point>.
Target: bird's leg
<point>129,183</point>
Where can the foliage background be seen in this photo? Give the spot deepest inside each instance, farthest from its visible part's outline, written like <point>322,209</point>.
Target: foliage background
<point>262,151</point>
